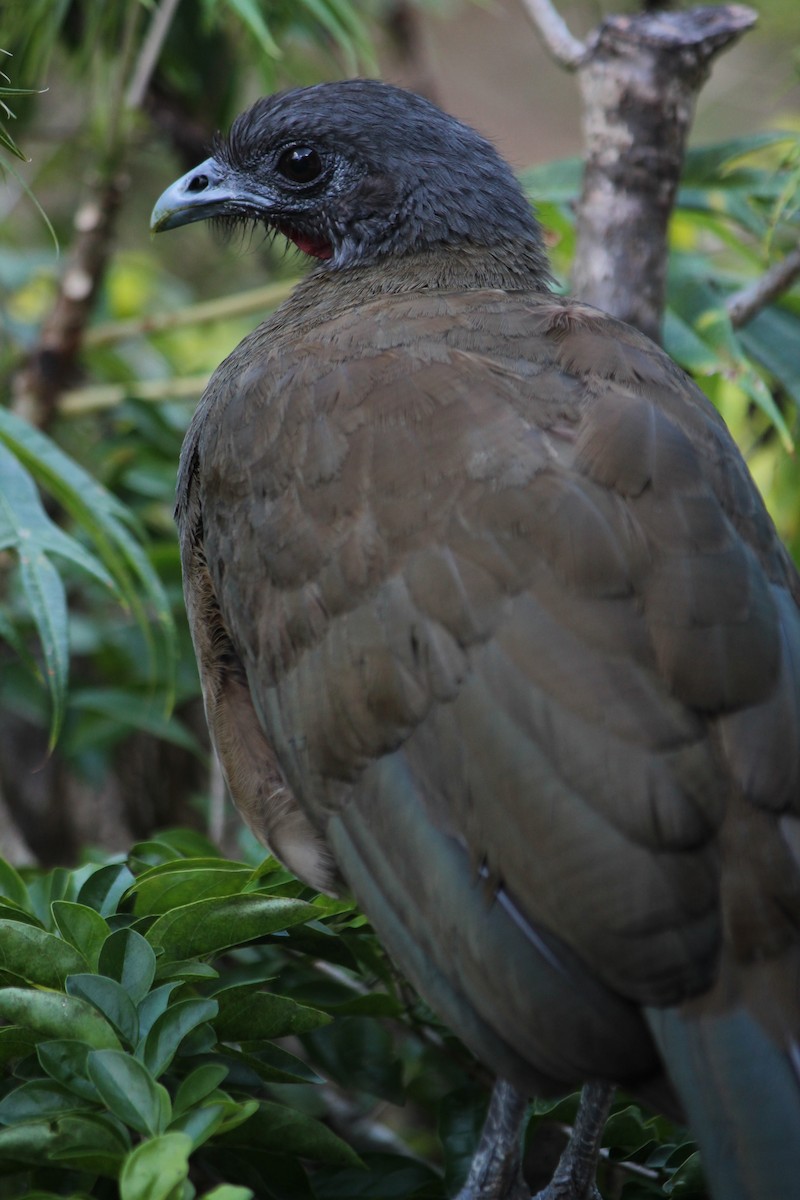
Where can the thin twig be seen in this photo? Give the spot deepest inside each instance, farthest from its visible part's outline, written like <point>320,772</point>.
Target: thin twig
<point>743,305</point>
<point>79,401</point>
<point>256,299</point>
<point>554,32</point>
<point>149,52</point>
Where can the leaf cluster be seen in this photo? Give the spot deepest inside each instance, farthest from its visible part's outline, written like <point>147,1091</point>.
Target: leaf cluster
<point>178,1024</point>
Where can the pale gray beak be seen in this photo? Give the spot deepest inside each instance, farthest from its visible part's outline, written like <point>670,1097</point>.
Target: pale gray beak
<point>206,191</point>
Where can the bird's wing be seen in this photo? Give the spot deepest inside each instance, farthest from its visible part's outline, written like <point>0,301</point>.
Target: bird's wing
<point>491,560</point>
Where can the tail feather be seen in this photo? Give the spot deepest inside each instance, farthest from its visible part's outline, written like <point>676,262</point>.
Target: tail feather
<point>741,1092</point>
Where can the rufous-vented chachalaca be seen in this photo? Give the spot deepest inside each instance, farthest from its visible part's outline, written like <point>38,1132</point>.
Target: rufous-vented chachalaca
<point>485,603</point>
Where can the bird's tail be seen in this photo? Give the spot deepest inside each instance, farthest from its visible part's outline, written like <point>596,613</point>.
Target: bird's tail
<point>736,1067</point>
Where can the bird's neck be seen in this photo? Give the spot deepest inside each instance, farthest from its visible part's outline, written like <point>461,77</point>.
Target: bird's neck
<point>513,267</point>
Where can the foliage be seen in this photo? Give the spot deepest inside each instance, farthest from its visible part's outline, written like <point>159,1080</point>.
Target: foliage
<point>169,1024</point>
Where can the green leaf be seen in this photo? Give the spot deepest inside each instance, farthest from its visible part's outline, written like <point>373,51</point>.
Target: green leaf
<point>39,957</point>
<point>272,1063</point>
<point>44,592</point>
<point>37,1099</point>
<point>162,890</point>
<point>111,1000</point>
<point>228,1191</point>
<point>155,1169</point>
<point>57,1016</point>
<point>208,926</point>
<point>153,1005</point>
<point>387,1177</point>
<point>26,528</point>
<point>10,912</point>
<point>129,710</point>
<point>771,338</point>
<point>277,1128</point>
<point>171,1028</point>
<point>128,957</point>
<point>129,1091</point>
<point>251,17</point>
<point>688,1182</point>
<point>66,1061</point>
<point>199,1084</point>
<point>105,521</point>
<point>105,888</point>
<point>247,1015</point>
<point>203,1122</point>
<point>359,1053</point>
<point>82,927</point>
<point>64,1136</point>
<point>12,886</point>
<point>461,1117</point>
<point>16,1043</point>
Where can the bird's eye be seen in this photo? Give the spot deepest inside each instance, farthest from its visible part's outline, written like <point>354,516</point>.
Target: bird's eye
<point>300,164</point>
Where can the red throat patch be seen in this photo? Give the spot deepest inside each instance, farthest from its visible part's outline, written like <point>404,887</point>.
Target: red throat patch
<point>317,249</point>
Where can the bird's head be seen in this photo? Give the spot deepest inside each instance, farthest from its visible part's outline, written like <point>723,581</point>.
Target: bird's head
<point>354,171</point>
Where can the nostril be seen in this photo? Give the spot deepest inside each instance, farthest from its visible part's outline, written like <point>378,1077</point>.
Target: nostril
<point>198,183</point>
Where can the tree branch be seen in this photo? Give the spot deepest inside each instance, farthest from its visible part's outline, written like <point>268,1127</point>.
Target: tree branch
<point>743,305</point>
<point>149,52</point>
<point>554,32</point>
<point>639,83</point>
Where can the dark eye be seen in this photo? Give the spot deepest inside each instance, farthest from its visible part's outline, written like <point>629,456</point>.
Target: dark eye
<point>300,164</point>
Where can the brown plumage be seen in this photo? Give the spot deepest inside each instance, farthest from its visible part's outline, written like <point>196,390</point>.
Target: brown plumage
<point>483,595</point>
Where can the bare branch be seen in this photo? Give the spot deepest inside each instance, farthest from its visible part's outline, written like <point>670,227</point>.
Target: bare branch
<point>149,52</point>
<point>255,300</point>
<point>554,32</point>
<point>742,306</point>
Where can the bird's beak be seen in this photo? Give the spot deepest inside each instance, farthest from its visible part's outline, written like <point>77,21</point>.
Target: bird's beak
<point>206,191</point>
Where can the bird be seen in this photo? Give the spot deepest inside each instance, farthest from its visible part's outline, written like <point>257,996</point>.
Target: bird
<point>492,624</point>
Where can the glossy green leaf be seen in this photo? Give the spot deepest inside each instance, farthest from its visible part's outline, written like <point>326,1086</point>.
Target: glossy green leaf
<point>277,1128</point>
<point>70,1135</point>
<point>246,1014</point>
<point>271,1063</point>
<point>198,1085</point>
<point>111,1000</point>
<point>39,957</point>
<point>128,957</point>
<point>209,926</point>
<point>12,886</point>
<point>82,927</point>
<point>155,1169</point>
<point>688,1182</point>
<point>38,1099</point>
<point>153,1005</point>
<point>170,1029</point>
<point>57,1016</point>
<point>129,1091</point>
<point>228,1191</point>
<point>12,912</point>
<point>105,887</point>
<point>66,1061</point>
<point>200,1123</point>
<point>163,890</point>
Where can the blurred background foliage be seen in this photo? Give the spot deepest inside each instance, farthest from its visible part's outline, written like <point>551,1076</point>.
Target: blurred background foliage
<point>107,340</point>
